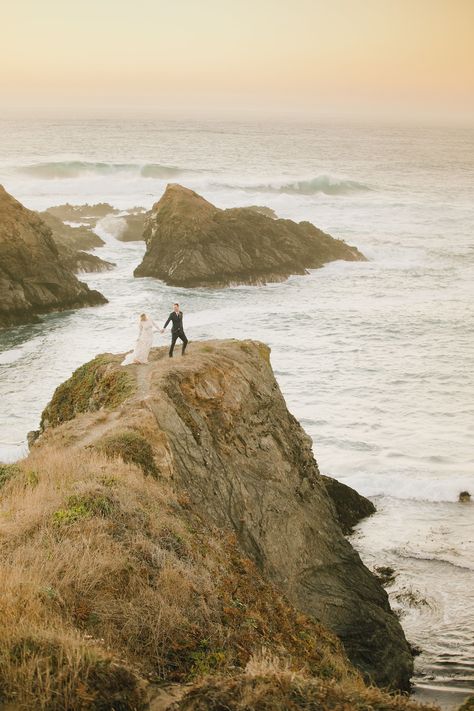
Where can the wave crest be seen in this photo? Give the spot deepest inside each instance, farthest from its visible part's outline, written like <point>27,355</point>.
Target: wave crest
<point>320,184</point>
<point>77,168</point>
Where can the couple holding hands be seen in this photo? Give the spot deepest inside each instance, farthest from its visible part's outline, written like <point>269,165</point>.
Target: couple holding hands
<point>145,336</point>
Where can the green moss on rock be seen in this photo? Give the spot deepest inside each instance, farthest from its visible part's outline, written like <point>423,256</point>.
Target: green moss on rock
<point>96,384</point>
<point>85,506</point>
<point>131,447</point>
<point>7,471</point>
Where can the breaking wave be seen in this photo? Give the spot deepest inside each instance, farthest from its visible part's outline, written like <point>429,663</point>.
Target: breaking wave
<point>408,487</point>
<point>77,168</point>
<point>326,184</point>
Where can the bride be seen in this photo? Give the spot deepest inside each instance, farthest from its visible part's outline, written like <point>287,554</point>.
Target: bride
<point>144,341</point>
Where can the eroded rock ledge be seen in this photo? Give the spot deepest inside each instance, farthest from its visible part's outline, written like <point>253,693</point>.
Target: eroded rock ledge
<point>215,426</point>
<point>190,243</point>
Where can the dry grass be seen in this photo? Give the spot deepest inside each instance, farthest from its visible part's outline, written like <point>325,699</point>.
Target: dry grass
<point>268,684</point>
<point>106,579</point>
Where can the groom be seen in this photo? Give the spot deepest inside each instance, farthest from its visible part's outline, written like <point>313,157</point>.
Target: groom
<point>176,317</point>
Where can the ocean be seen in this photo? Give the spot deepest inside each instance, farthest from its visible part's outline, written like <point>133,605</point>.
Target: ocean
<point>374,358</point>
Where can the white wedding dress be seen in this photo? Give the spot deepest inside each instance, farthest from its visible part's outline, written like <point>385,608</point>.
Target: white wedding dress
<point>144,342</point>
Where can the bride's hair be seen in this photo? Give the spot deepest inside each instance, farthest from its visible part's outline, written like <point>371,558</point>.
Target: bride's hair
<point>143,317</point>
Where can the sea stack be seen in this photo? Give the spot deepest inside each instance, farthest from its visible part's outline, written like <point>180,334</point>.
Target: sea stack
<point>192,243</point>
<point>33,277</point>
<point>215,428</point>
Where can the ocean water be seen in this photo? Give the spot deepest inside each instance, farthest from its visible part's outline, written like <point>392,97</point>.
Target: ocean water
<point>375,359</point>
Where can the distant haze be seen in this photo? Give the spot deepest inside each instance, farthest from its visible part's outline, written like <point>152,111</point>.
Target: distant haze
<point>349,57</point>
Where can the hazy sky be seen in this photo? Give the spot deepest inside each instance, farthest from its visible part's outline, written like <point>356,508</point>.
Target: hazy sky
<point>328,56</point>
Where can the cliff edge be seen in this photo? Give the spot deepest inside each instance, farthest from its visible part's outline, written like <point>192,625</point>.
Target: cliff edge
<point>215,427</point>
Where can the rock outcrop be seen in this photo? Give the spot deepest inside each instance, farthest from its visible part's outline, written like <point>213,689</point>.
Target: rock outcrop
<point>190,242</point>
<point>88,214</point>
<point>127,227</point>
<point>82,262</point>
<point>71,241</point>
<point>215,426</point>
<point>80,238</point>
<point>350,506</point>
<point>264,211</point>
<point>33,277</point>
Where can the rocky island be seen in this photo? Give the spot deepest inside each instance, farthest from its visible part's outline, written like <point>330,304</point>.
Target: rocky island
<point>34,279</point>
<point>190,243</point>
<point>170,527</point>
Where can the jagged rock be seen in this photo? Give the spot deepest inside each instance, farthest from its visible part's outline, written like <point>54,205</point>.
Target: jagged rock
<point>83,262</point>
<point>129,227</point>
<point>350,506</point>
<point>221,434</point>
<point>82,213</point>
<point>135,227</point>
<point>190,242</point>
<point>71,241</point>
<point>33,277</point>
<point>73,237</point>
<point>264,211</point>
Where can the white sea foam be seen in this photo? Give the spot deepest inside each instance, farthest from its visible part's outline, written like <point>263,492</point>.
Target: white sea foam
<point>327,184</point>
<point>431,488</point>
<point>68,169</point>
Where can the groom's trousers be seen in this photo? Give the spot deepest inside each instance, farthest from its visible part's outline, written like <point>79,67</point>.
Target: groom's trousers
<point>174,337</point>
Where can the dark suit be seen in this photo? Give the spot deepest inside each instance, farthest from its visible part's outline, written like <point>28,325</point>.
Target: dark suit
<point>177,331</point>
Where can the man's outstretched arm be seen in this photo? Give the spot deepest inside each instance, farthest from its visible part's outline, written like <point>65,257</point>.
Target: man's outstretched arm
<point>167,322</point>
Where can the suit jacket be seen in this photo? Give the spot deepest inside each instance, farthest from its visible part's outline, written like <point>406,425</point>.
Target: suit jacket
<point>176,319</point>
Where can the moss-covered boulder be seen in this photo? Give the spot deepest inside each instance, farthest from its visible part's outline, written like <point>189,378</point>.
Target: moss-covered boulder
<point>131,447</point>
<point>95,385</point>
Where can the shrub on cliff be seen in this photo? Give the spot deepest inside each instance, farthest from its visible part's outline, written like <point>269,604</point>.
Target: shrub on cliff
<point>131,447</point>
<point>92,386</point>
<point>270,685</point>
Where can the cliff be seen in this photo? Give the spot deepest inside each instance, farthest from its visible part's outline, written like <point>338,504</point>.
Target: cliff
<point>215,427</point>
<point>190,242</point>
<point>33,276</point>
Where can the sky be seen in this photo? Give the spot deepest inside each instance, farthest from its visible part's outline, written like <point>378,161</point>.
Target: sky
<point>413,57</point>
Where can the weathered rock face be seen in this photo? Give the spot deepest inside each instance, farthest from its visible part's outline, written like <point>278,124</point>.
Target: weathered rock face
<point>134,226</point>
<point>82,213</point>
<point>193,243</point>
<point>350,506</point>
<point>33,277</point>
<point>220,432</point>
<point>71,241</point>
<point>82,262</point>
<point>73,237</point>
